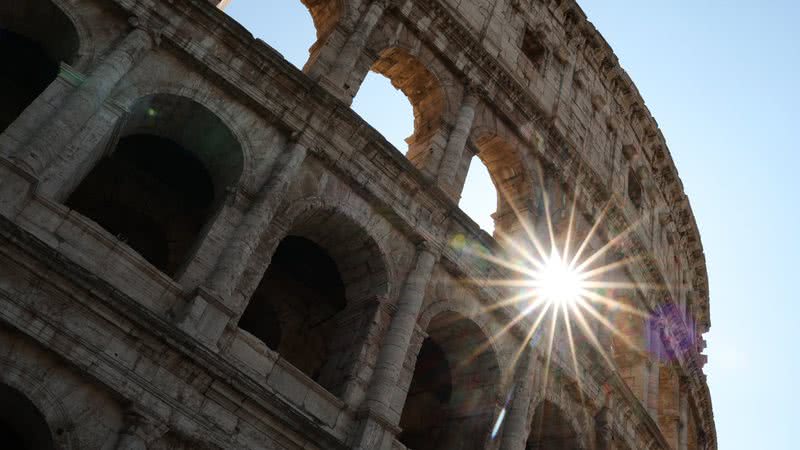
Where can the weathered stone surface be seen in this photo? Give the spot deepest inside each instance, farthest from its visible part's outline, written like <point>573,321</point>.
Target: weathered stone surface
<point>135,311</point>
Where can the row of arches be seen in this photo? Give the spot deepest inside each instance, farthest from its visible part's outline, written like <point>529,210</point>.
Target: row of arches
<point>400,87</point>
<point>23,426</point>
<point>159,185</point>
<point>154,142</point>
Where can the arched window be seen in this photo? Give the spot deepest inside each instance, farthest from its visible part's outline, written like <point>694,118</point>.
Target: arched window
<point>379,103</point>
<point>550,430</point>
<point>35,36</point>
<point>451,399</point>
<point>286,25</point>
<point>634,189</point>
<point>631,344</point>
<point>22,426</point>
<point>297,299</point>
<point>497,185</point>
<point>161,182</point>
<point>309,305</point>
<point>386,108</point>
<point>479,196</point>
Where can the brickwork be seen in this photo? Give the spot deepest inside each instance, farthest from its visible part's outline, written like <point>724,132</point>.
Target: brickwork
<point>147,300</point>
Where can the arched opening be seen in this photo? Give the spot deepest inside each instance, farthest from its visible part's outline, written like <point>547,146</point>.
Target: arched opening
<point>479,196</point>
<point>22,426</point>
<point>634,189</point>
<point>287,27</point>
<point>35,36</point>
<point>301,292</point>
<point>385,108</point>
<point>631,343</point>
<point>669,403</point>
<point>161,182</point>
<point>550,430</point>
<point>312,305</point>
<point>451,399</point>
<point>381,105</point>
<point>512,186</point>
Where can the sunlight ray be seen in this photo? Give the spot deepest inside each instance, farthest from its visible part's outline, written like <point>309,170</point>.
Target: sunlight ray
<point>589,235</point>
<point>625,339</point>
<point>571,223</point>
<point>610,302</point>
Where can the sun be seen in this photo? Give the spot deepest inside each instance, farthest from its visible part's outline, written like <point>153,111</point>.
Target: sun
<point>557,282</point>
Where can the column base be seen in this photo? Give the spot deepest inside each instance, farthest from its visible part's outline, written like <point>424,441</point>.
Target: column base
<point>374,432</point>
<point>17,185</point>
<point>205,317</point>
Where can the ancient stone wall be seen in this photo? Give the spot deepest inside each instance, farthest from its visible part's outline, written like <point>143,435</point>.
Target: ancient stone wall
<point>151,173</point>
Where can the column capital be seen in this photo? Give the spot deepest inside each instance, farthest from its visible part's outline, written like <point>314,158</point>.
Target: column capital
<point>138,430</point>
<point>473,92</point>
<point>150,29</point>
<point>426,246</point>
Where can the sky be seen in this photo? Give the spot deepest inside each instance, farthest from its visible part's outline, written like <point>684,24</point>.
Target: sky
<point>720,79</point>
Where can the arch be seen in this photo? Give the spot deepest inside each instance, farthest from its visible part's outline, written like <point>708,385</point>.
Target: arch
<point>43,409</point>
<point>404,72</point>
<point>22,426</point>
<point>392,39</point>
<point>326,14</point>
<point>551,429</point>
<point>163,179</point>
<point>397,54</point>
<point>452,397</point>
<point>140,89</point>
<point>37,35</point>
<point>513,182</point>
<point>511,170</point>
<point>476,193</point>
<point>292,39</point>
<point>314,301</point>
<point>419,85</point>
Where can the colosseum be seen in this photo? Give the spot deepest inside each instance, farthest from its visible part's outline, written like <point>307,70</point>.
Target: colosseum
<point>204,247</point>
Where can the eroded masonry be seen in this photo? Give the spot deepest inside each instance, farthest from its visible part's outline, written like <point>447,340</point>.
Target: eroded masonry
<point>202,246</point>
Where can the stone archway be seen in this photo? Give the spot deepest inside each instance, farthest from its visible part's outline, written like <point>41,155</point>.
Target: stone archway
<point>37,36</point>
<point>511,178</point>
<point>315,301</point>
<point>551,430</point>
<point>22,425</point>
<point>451,399</point>
<point>163,179</point>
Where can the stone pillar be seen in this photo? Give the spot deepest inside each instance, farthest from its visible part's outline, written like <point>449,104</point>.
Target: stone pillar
<point>83,102</point>
<point>458,139</point>
<point>654,373</point>
<point>26,124</point>
<point>683,426</point>
<point>355,44</point>
<point>377,408</point>
<point>654,377</point>
<point>137,431</point>
<point>244,241</point>
<point>98,137</point>
<point>209,312</point>
<point>517,428</point>
<point>604,436</point>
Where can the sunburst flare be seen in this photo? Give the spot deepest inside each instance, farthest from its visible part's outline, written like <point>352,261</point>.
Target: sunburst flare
<point>567,294</point>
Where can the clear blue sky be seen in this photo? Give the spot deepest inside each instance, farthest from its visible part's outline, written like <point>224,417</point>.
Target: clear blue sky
<point>720,77</point>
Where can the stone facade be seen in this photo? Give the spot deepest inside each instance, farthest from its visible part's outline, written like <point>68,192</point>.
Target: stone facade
<point>204,247</point>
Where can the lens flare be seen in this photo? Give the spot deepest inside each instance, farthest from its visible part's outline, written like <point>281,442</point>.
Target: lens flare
<point>557,290</point>
<point>558,283</point>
